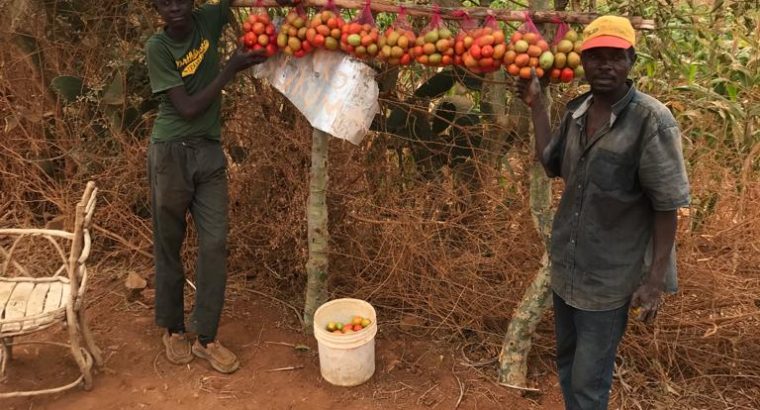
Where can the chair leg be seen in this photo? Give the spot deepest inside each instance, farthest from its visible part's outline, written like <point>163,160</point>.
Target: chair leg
<point>89,341</point>
<point>76,349</point>
<point>6,350</point>
<point>8,343</point>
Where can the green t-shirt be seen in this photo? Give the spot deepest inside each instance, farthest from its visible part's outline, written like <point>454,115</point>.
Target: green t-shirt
<point>194,63</point>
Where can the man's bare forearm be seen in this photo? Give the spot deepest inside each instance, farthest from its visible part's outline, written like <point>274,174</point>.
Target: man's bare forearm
<point>541,127</point>
<point>191,106</point>
<point>665,224</point>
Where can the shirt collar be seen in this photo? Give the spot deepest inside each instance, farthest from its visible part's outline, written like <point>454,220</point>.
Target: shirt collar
<point>617,108</point>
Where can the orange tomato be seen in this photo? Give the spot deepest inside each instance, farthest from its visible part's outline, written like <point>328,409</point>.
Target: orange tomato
<point>522,60</point>
<point>509,57</point>
<point>486,62</point>
<point>258,28</point>
<point>516,36</point>
<point>525,73</point>
<point>534,51</point>
<point>319,40</point>
<point>323,30</point>
<point>498,37</point>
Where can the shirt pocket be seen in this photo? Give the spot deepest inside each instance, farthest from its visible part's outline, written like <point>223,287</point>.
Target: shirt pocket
<point>612,171</point>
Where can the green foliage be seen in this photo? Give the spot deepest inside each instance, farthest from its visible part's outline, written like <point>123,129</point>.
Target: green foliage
<point>704,61</point>
<point>446,133</point>
<point>68,88</point>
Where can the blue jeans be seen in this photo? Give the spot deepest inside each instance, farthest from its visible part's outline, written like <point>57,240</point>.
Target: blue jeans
<point>586,345</point>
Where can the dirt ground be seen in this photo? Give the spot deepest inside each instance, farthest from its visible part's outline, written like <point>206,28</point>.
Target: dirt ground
<point>411,373</point>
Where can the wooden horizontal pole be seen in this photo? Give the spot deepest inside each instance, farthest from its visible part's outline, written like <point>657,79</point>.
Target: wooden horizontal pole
<point>385,6</point>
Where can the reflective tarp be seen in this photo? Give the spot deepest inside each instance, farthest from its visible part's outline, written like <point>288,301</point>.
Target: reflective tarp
<point>336,94</point>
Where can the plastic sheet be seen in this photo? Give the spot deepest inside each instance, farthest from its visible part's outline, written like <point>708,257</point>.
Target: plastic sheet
<point>336,93</point>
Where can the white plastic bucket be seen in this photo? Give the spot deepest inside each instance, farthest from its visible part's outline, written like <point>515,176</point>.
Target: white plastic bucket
<point>345,359</point>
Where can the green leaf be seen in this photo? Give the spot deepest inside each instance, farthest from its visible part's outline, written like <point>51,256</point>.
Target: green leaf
<point>692,72</point>
<point>470,80</point>
<point>67,87</point>
<point>436,86</point>
<point>398,120</point>
<point>443,116</point>
<point>732,91</point>
<point>114,94</point>
<point>465,138</point>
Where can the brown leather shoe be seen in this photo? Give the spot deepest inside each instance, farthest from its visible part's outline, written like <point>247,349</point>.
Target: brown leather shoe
<point>220,358</point>
<point>177,348</point>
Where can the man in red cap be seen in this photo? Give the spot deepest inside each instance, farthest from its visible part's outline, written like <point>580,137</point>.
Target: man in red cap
<point>618,151</point>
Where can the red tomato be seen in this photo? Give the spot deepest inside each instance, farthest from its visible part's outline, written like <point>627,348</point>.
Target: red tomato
<point>250,39</point>
<point>567,75</point>
<point>271,49</point>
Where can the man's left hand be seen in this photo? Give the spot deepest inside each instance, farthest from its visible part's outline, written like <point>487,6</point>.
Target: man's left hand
<point>648,298</point>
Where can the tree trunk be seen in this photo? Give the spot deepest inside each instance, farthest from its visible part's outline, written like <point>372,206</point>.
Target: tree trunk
<point>318,236</point>
<point>513,358</point>
<point>493,103</point>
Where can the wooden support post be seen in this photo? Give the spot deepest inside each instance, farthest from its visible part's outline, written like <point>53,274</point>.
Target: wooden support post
<point>318,235</point>
<point>513,358</point>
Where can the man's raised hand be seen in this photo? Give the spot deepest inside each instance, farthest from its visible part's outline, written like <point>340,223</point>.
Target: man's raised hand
<point>529,90</point>
<point>243,58</point>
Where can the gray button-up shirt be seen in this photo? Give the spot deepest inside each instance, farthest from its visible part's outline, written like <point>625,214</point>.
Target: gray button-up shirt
<point>601,246</point>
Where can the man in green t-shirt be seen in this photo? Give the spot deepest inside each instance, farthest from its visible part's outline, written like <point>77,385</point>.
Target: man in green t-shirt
<point>187,171</point>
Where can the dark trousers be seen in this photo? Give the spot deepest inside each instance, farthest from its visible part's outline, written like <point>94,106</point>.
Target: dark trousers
<point>189,175</point>
<point>587,342</point>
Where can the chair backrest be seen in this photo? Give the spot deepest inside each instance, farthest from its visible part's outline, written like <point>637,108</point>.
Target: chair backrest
<point>81,243</point>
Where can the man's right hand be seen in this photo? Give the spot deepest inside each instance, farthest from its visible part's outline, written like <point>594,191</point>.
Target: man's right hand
<point>529,90</point>
<point>243,58</point>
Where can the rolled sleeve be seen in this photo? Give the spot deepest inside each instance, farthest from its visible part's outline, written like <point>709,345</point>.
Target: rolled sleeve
<point>162,70</point>
<point>552,155</point>
<point>662,171</point>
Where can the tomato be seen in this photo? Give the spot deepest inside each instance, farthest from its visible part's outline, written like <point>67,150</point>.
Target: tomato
<point>271,49</point>
<point>567,75</point>
<point>250,39</point>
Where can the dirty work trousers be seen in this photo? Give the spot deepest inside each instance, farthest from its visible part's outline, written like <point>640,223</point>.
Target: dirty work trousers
<point>587,342</point>
<point>189,175</point>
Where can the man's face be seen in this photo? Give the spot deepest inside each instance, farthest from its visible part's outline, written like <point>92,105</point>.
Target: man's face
<point>176,13</point>
<point>607,68</point>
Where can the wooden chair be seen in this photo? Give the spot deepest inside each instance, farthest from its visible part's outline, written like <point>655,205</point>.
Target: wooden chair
<point>30,304</point>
